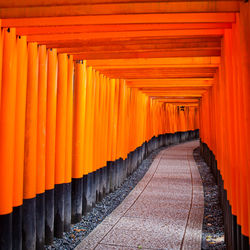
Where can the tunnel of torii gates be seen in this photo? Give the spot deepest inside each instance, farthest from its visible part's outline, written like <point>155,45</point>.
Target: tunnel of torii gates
<point>90,87</point>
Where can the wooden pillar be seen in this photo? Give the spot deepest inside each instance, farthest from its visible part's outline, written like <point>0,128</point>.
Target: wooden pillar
<point>60,146</point>
<point>68,150</point>
<point>41,147</point>
<point>21,86</point>
<point>30,147</point>
<point>50,145</point>
<point>7,132</point>
<point>78,137</point>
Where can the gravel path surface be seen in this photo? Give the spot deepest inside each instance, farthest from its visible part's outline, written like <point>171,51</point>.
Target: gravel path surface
<point>213,227</point>
<point>80,230</point>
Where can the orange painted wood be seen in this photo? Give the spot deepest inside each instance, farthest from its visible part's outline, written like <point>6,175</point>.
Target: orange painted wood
<point>96,124</point>
<point>147,54</point>
<point>89,120</point>
<point>61,118</point>
<point>105,119</point>
<point>115,47</point>
<point>51,119</point>
<point>115,127</point>
<point>78,168</point>
<point>20,111</point>
<point>1,57</point>
<point>157,62</point>
<point>69,125</point>
<point>25,3</point>
<point>121,19</point>
<point>129,34</point>
<point>43,30</point>
<point>120,8</point>
<point>7,121</point>
<point>41,118</point>
<point>30,146</point>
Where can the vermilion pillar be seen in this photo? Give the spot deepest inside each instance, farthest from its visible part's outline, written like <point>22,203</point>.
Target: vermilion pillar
<point>41,147</point>
<point>30,150</point>
<point>68,153</point>
<point>78,139</point>
<point>21,86</point>
<point>7,135</point>
<point>60,149</point>
<point>50,145</point>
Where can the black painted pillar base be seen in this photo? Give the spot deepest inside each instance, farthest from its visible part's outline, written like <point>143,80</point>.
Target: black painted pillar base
<point>49,216</point>
<point>67,206</point>
<point>112,177</point>
<point>140,155</point>
<point>130,162</point>
<point>40,221</point>
<point>171,139</point>
<point>234,232</point>
<point>76,200</point>
<point>59,211</point>
<point>101,182</point>
<point>6,232</point>
<point>119,171</point>
<point>116,174</point>
<point>98,184</point>
<point>134,161</point>
<point>238,237</point>
<point>123,170</point>
<point>89,191</point>
<point>167,140</point>
<point>244,242</point>
<point>93,194</point>
<point>84,194</point>
<point>155,143</point>
<point>125,167</point>
<point>16,228</point>
<point>29,224</point>
<point>104,180</point>
<point>108,177</point>
<point>176,137</point>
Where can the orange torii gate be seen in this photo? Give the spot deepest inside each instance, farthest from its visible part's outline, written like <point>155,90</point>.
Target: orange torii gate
<point>89,88</point>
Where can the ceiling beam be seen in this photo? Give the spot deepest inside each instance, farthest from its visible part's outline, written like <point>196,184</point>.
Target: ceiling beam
<point>133,41</point>
<point>121,19</point>
<point>154,54</point>
<point>182,104</point>
<point>114,28</point>
<point>177,100</point>
<point>150,62</point>
<point>142,47</point>
<point>172,95</point>
<point>156,84</point>
<point>120,8</point>
<point>130,34</point>
<point>32,3</point>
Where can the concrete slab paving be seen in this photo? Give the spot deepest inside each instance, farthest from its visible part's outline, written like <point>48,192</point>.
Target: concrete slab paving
<point>164,211</point>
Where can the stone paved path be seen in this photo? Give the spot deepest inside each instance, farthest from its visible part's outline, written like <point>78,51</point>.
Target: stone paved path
<point>164,211</point>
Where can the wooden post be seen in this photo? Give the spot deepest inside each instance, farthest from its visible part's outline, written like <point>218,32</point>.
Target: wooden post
<point>78,139</point>
<point>60,151</point>
<point>68,153</point>
<point>21,86</point>
<point>41,147</point>
<point>30,147</point>
<point>50,145</point>
<point>7,132</point>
